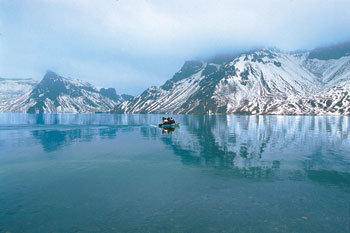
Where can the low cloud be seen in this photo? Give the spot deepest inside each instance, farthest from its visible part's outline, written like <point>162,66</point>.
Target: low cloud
<point>147,40</point>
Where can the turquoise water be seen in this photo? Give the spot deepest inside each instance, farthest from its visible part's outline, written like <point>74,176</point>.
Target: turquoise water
<point>120,173</point>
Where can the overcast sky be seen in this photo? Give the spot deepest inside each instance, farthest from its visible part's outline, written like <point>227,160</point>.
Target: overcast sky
<point>133,44</point>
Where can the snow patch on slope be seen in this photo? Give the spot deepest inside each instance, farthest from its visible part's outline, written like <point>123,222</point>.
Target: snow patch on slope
<point>260,82</point>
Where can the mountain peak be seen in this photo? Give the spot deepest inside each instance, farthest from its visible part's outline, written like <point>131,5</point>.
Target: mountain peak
<point>58,94</point>
<point>50,74</point>
<point>110,93</point>
<point>188,69</point>
<point>259,81</point>
<point>51,77</point>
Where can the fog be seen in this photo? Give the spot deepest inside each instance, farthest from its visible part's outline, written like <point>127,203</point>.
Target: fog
<point>133,44</point>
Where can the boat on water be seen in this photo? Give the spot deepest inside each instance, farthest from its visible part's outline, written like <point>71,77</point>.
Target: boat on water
<point>169,123</point>
<point>173,125</point>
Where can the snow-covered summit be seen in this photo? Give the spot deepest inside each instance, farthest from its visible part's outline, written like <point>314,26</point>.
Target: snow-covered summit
<point>265,81</point>
<point>59,94</point>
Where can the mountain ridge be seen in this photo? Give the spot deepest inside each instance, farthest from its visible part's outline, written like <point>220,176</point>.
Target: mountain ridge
<point>55,93</point>
<point>14,88</point>
<point>259,81</point>
<point>265,81</point>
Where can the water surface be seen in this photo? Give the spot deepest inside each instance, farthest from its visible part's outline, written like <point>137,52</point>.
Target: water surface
<point>121,173</point>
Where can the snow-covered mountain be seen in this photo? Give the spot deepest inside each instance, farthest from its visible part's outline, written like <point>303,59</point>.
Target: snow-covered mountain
<point>58,94</point>
<point>14,88</point>
<point>265,81</point>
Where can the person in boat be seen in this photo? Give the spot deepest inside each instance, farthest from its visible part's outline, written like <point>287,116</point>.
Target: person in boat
<point>170,120</point>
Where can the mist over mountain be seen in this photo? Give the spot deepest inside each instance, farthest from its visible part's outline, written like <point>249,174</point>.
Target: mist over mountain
<point>108,43</point>
<point>261,81</point>
<point>331,52</point>
<point>57,94</point>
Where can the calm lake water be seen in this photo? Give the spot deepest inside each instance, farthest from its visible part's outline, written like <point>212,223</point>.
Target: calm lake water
<point>121,173</point>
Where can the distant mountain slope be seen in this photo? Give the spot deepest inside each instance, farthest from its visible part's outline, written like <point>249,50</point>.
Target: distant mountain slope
<point>265,81</point>
<point>14,88</point>
<point>58,94</point>
<point>331,52</point>
<point>126,96</point>
<point>111,94</point>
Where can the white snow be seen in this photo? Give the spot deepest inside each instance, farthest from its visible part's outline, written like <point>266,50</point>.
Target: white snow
<point>86,102</point>
<point>277,83</point>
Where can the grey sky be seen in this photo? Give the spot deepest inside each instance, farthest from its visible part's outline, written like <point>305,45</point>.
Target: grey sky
<point>134,44</point>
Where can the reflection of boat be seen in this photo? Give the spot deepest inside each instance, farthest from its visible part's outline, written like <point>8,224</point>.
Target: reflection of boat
<point>174,125</point>
<point>168,130</point>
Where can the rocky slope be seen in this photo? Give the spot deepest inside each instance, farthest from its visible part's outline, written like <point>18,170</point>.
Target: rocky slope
<point>56,94</point>
<point>265,81</point>
<point>13,88</point>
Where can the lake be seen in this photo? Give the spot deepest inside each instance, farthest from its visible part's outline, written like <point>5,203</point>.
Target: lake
<point>121,173</point>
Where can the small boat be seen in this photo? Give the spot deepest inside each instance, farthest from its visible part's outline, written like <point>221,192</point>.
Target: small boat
<point>174,125</point>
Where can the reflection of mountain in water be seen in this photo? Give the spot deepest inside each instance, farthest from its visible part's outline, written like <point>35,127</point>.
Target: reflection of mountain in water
<point>61,130</point>
<point>295,147</point>
<point>262,146</point>
<point>77,119</point>
<point>57,130</point>
<point>54,139</point>
<point>340,179</point>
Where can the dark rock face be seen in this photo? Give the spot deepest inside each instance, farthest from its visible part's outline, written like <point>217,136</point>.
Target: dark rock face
<point>331,52</point>
<point>110,93</point>
<point>126,97</point>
